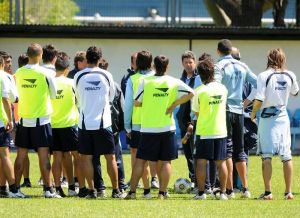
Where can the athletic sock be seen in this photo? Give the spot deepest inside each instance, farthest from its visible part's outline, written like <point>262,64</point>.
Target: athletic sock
<point>48,189</point>
<point>229,191</point>
<point>146,191</point>
<point>3,188</point>
<point>131,192</point>
<point>72,187</point>
<point>13,188</point>
<point>162,193</point>
<point>200,193</point>
<point>267,193</point>
<point>26,180</point>
<point>244,189</point>
<point>75,179</point>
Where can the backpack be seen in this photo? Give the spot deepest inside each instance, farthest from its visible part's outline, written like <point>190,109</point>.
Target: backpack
<point>117,114</point>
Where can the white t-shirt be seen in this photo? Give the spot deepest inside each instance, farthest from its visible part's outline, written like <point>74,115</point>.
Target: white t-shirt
<point>5,90</point>
<point>94,90</point>
<point>274,88</point>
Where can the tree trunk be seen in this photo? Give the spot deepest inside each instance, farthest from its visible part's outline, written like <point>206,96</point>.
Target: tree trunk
<point>279,12</point>
<point>298,13</point>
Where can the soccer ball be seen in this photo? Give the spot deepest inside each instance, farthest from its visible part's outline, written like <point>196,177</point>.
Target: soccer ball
<point>182,186</point>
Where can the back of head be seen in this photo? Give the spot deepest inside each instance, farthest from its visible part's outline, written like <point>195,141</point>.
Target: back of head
<point>49,53</point>
<point>103,64</point>
<point>225,46</point>
<point>93,55</point>
<point>204,56</point>
<point>23,60</point>
<point>34,50</point>
<point>206,70</point>
<point>143,60</point>
<point>5,55</point>
<point>188,55</point>
<point>1,62</point>
<point>62,62</point>
<point>79,56</point>
<point>161,63</point>
<point>276,59</point>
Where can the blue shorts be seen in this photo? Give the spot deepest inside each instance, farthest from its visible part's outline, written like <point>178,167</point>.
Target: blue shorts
<point>235,137</point>
<point>210,149</point>
<point>65,139</point>
<point>135,139</point>
<point>34,137</point>
<point>157,146</point>
<point>4,137</point>
<point>96,142</point>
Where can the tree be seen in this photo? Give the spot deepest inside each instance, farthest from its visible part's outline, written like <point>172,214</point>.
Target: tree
<point>43,11</point>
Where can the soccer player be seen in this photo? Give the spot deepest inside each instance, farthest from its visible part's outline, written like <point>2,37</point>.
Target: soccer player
<point>191,78</point>
<point>233,74</point>
<point>49,57</point>
<point>94,89</point>
<point>35,86</point>
<point>158,96</point>
<point>209,105</point>
<point>132,115</point>
<point>79,63</point>
<point>273,89</point>
<point>6,126</point>
<point>64,121</point>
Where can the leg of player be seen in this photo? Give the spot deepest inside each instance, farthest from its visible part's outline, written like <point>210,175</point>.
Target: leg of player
<point>68,164</point>
<point>145,178</point>
<point>201,175</point>
<point>154,180</point>
<point>112,171</point>
<point>88,171</point>
<point>45,167</point>
<point>267,173</point>
<point>26,182</point>
<point>165,175</point>
<point>229,183</point>
<point>222,169</point>
<point>288,173</point>
<point>56,171</point>
<point>19,164</point>
<point>78,170</point>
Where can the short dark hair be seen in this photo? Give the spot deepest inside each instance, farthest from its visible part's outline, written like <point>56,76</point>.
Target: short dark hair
<point>132,57</point>
<point>93,55</point>
<point>79,56</point>
<point>49,53</point>
<point>34,50</point>
<point>189,55</point>
<point>206,70</point>
<point>143,60</point>
<point>204,56</point>
<point>1,61</point>
<point>103,64</point>
<point>23,60</point>
<point>161,63</point>
<point>225,46</point>
<point>5,55</point>
<point>62,62</point>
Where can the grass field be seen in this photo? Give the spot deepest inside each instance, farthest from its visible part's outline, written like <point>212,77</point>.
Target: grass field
<point>176,206</point>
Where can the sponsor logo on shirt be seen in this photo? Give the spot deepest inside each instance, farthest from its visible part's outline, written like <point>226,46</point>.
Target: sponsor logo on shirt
<point>162,93</point>
<point>94,86</point>
<point>30,83</point>
<point>215,99</point>
<point>59,94</point>
<point>281,85</point>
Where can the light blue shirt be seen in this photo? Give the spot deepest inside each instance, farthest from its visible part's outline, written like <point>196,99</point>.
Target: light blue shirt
<point>129,102</point>
<point>197,83</point>
<point>233,74</point>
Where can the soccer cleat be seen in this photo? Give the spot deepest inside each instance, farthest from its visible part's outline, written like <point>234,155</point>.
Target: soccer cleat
<point>3,194</point>
<point>163,197</point>
<point>223,197</point>
<point>231,195</point>
<point>120,195</point>
<point>61,193</point>
<point>49,194</point>
<point>265,197</point>
<point>194,190</point>
<point>101,194</point>
<point>208,191</point>
<point>147,196</point>
<point>18,194</point>
<point>130,196</point>
<point>246,194</point>
<point>154,183</point>
<point>72,193</point>
<point>26,184</point>
<point>83,192</point>
<point>289,196</point>
<point>200,197</point>
<point>92,194</point>
<point>216,193</point>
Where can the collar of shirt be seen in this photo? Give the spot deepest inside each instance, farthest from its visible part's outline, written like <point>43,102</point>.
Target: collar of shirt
<point>225,57</point>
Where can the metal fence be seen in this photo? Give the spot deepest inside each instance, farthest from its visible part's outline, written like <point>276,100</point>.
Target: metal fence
<point>154,12</point>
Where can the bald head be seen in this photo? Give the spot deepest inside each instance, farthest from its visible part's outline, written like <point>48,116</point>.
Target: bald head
<point>34,50</point>
<point>235,53</point>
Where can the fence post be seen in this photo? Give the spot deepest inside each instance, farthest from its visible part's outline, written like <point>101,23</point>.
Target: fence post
<point>17,11</point>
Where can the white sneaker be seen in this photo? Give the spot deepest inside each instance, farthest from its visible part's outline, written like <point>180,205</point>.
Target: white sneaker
<point>130,196</point>
<point>289,196</point>
<point>18,194</point>
<point>208,191</point>
<point>101,194</point>
<point>64,184</point>
<point>154,184</point>
<point>147,196</point>
<point>200,197</point>
<point>48,194</point>
<point>223,197</point>
<point>246,194</point>
<point>231,196</point>
<point>72,193</point>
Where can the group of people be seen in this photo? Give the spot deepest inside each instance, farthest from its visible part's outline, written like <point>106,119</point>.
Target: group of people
<point>78,115</point>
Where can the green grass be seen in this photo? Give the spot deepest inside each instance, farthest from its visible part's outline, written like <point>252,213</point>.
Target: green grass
<point>176,206</point>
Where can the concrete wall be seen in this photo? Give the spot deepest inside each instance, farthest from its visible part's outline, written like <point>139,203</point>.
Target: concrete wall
<point>118,51</point>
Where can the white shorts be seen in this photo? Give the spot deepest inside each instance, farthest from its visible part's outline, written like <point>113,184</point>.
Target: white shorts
<point>274,137</point>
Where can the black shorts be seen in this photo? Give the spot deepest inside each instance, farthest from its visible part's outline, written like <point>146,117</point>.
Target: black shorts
<point>96,142</point>
<point>65,139</point>
<point>235,137</point>
<point>34,137</point>
<point>157,146</point>
<point>210,149</point>
<point>135,139</point>
<point>250,134</point>
<point>4,137</point>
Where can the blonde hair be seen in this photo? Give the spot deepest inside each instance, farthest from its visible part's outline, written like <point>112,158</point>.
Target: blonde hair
<point>276,59</point>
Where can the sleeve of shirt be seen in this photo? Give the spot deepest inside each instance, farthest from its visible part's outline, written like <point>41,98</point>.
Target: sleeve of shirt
<point>261,88</point>
<point>195,103</point>
<point>218,73</point>
<point>75,90</point>
<point>128,107</point>
<point>183,89</point>
<point>198,82</point>
<point>251,77</point>
<point>140,92</point>
<point>5,88</point>
<point>52,86</point>
<point>13,94</point>
<point>111,88</point>
<point>295,87</point>
<point>252,94</point>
